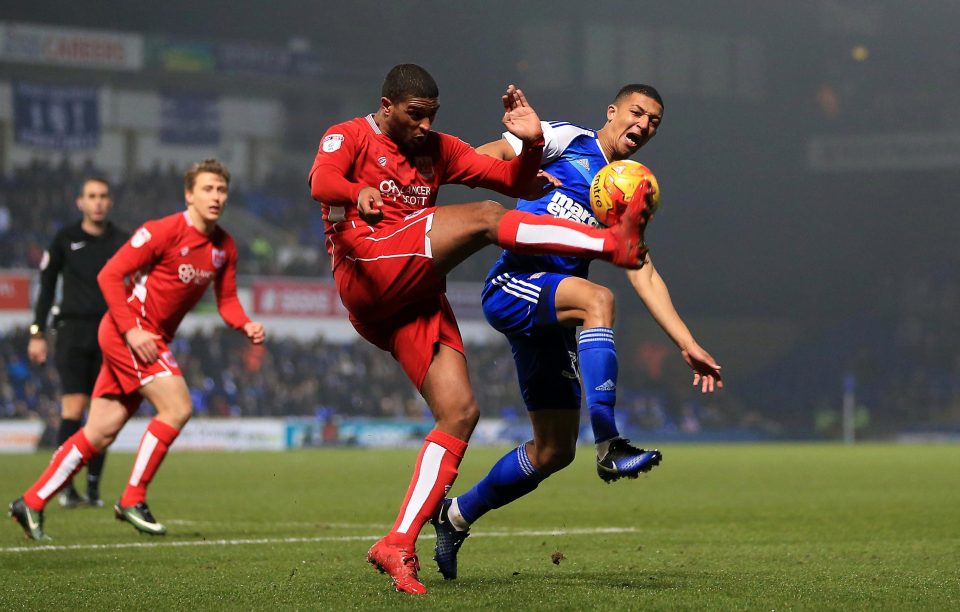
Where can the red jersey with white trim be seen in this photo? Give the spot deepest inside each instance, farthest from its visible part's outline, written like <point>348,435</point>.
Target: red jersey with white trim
<point>356,154</point>
<point>169,264</point>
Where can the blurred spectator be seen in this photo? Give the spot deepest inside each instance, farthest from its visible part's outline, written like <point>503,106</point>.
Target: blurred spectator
<point>290,377</point>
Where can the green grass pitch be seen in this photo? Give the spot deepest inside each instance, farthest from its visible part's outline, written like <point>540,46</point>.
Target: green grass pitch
<point>749,527</point>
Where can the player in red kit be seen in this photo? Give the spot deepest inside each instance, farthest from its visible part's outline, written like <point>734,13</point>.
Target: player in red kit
<point>169,263</point>
<point>391,248</point>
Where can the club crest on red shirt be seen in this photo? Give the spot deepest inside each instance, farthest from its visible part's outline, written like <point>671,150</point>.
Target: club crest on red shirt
<point>219,257</point>
<point>382,160</point>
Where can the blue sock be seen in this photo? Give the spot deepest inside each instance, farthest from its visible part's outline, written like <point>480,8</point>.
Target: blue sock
<point>598,368</point>
<point>509,479</point>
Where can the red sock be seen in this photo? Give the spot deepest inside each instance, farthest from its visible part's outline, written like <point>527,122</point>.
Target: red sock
<point>432,478</point>
<point>67,461</point>
<point>153,448</point>
<point>529,234</point>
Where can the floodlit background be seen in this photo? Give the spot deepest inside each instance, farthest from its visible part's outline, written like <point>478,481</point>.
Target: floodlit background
<point>809,158</point>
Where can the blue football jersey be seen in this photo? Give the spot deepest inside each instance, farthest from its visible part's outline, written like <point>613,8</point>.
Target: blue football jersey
<point>573,155</point>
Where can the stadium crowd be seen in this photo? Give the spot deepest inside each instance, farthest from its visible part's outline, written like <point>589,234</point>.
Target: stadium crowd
<point>287,377</point>
<point>285,237</point>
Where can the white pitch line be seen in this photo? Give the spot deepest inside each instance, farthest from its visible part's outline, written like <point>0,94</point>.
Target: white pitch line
<point>295,524</point>
<point>257,541</point>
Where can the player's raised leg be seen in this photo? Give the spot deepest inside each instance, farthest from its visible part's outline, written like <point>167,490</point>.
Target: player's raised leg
<point>447,391</point>
<point>171,399</point>
<point>462,229</point>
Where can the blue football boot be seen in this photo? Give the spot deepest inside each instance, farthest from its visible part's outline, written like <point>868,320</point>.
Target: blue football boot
<point>449,541</point>
<point>624,460</point>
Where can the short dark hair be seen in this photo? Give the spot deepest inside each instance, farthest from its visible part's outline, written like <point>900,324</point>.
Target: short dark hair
<point>406,81</point>
<point>93,179</point>
<point>639,88</point>
<point>213,166</point>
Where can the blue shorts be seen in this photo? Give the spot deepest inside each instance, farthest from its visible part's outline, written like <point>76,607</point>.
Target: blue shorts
<point>522,306</point>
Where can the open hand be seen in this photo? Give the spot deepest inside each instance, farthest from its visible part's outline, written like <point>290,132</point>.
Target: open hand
<point>519,117</point>
<point>706,371</point>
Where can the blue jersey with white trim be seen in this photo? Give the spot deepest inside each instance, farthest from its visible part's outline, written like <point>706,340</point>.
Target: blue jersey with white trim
<point>573,155</point>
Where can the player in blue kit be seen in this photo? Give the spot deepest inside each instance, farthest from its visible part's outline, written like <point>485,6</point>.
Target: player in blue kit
<point>537,302</point>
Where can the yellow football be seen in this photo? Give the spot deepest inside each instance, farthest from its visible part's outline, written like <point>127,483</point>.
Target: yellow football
<point>617,182</point>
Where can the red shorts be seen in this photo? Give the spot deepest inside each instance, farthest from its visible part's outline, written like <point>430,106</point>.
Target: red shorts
<point>122,373</point>
<point>393,293</point>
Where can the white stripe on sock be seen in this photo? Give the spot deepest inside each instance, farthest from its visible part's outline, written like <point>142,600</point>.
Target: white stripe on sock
<point>549,234</point>
<point>69,463</point>
<point>429,469</point>
<point>147,446</point>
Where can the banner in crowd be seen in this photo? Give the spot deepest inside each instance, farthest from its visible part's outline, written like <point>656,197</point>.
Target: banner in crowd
<point>296,298</point>
<point>213,434</point>
<point>189,119</point>
<point>20,436</point>
<point>14,291</point>
<point>56,117</point>
<point>182,55</point>
<point>75,47</point>
<point>292,298</point>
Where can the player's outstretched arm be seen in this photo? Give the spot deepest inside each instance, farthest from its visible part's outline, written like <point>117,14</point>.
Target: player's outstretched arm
<point>544,181</point>
<point>652,290</point>
<point>498,149</point>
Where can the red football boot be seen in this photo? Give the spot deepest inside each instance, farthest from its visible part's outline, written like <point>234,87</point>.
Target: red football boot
<point>401,564</point>
<point>631,250</point>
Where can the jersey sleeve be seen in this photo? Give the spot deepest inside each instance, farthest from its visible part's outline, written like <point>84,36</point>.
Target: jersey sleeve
<point>225,288</point>
<point>50,267</point>
<point>467,167</point>
<point>557,136</point>
<point>335,158</point>
<point>144,248</point>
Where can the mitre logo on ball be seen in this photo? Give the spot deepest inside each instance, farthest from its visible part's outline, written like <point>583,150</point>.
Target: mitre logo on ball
<point>615,185</point>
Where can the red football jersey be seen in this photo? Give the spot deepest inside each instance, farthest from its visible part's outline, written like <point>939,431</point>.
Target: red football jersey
<point>169,264</point>
<point>356,154</point>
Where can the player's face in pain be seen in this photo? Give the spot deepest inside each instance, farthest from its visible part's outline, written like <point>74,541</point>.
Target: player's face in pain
<point>634,121</point>
<point>408,122</point>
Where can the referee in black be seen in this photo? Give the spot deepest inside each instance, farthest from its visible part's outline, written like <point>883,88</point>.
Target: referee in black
<point>77,252</point>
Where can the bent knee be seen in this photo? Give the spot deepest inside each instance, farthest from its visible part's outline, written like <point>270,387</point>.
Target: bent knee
<point>468,416</point>
<point>489,214</point>
<point>601,301</point>
<point>460,421</point>
<point>597,305</point>
<point>176,415</point>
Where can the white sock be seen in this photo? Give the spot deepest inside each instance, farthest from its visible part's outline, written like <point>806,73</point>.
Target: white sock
<point>604,447</point>
<point>456,519</point>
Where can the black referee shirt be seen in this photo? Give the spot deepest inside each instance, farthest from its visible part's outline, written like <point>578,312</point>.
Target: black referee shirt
<point>78,256</point>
